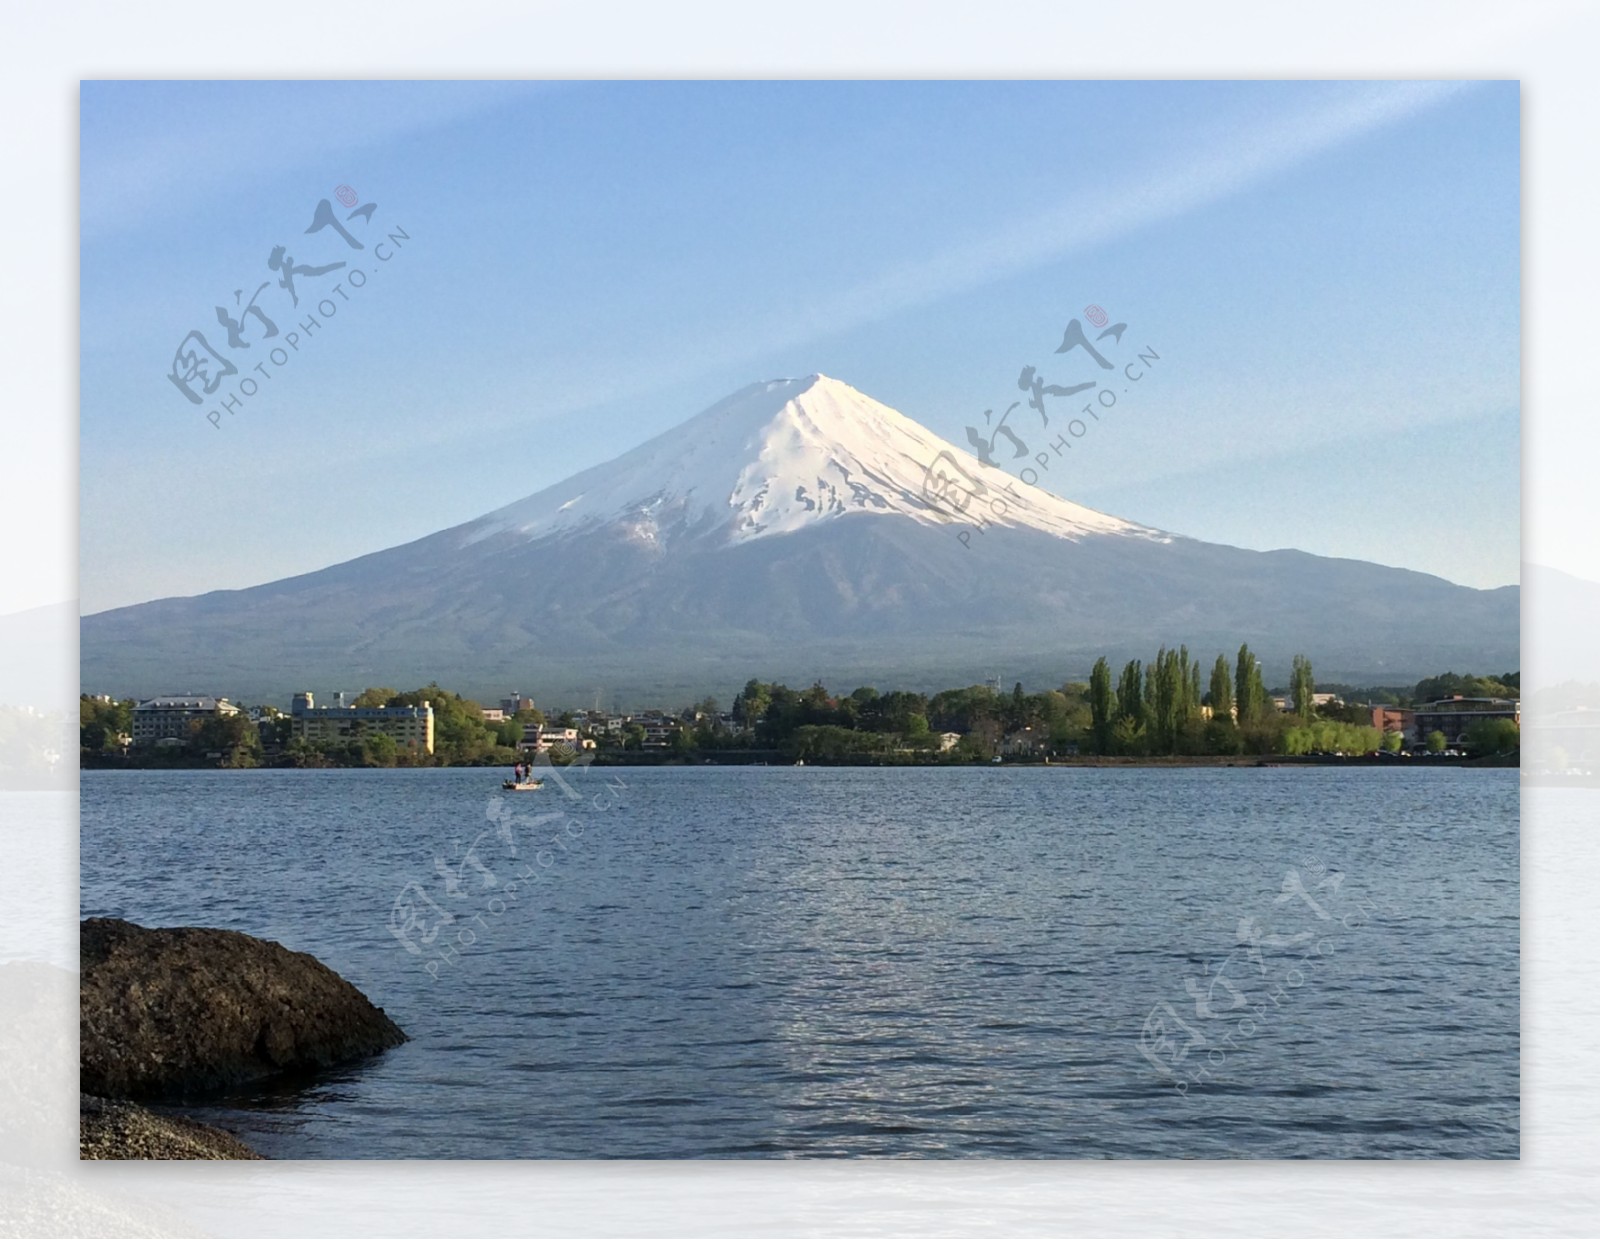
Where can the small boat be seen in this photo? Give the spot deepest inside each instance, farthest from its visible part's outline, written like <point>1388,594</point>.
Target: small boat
<point>527,785</point>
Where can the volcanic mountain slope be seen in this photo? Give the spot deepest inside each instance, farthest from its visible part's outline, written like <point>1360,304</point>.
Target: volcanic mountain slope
<point>797,529</point>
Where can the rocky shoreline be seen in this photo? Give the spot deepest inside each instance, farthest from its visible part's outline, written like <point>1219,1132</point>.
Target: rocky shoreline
<point>111,1129</point>
<point>180,1014</point>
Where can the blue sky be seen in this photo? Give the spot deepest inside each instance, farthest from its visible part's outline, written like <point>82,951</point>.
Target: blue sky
<point>1330,272</point>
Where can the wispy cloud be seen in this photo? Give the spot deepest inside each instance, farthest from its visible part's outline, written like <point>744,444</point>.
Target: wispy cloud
<point>1228,165</point>
<point>158,148</point>
<point>1224,164</point>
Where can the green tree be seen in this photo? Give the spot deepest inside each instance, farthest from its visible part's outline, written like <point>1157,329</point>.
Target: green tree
<point>1166,681</point>
<point>1220,736</point>
<point>785,712</point>
<point>1127,736</point>
<point>1452,683</point>
<point>235,740</point>
<point>1102,706</point>
<point>1493,736</point>
<point>1249,694</point>
<point>1130,693</point>
<point>894,711</point>
<point>1436,742</point>
<point>1393,742</point>
<point>1329,736</point>
<point>1068,718</point>
<point>101,723</point>
<point>1221,689</point>
<point>750,707</point>
<point>961,710</point>
<point>300,752</point>
<point>374,697</point>
<point>461,735</point>
<point>1303,688</point>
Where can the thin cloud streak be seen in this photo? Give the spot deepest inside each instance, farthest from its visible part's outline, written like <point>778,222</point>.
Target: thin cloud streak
<point>149,171</point>
<point>1088,219</point>
<point>1110,212</point>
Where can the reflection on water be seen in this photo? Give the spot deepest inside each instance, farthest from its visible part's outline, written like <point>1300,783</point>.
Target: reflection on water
<point>774,962</point>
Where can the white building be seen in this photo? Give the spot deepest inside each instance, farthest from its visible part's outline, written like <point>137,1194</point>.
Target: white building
<point>541,738</point>
<point>168,718</point>
<point>410,726</point>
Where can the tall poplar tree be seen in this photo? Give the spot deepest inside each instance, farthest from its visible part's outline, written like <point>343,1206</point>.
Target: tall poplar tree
<point>1102,705</point>
<point>1304,687</point>
<point>1221,689</point>
<point>1130,692</point>
<point>1250,695</point>
<point>1170,682</point>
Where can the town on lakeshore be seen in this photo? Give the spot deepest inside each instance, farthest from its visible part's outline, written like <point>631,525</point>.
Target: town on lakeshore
<point>1157,713</point>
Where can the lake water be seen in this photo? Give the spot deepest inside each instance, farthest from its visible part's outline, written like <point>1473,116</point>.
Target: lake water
<point>819,962</point>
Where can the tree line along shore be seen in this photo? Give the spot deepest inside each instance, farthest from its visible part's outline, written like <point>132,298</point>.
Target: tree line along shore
<point>1167,710</point>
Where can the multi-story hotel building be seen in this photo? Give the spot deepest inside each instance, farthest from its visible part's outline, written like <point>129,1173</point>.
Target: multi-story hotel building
<point>168,718</point>
<point>411,726</point>
<point>1454,715</point>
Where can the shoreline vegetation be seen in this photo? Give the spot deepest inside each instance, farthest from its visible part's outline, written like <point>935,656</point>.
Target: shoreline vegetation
<point>777,758</point>
<point>1161,714</point>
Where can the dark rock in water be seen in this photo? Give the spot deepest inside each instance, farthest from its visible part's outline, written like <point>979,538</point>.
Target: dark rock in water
<point>108,1129</point>
<point>182,1012</point>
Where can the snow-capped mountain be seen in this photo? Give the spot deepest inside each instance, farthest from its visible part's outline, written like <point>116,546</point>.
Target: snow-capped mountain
<point>796,530</point>
<point>778,457</point>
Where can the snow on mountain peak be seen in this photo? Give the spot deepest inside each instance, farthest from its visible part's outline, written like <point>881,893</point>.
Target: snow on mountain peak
<point>778,456</point>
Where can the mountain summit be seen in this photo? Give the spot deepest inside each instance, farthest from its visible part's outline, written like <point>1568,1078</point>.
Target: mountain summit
<point>797,530</point>
<point>777,458</point>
